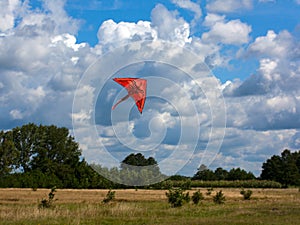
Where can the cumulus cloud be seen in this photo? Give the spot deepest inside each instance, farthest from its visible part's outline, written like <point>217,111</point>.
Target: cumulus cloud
<point>116,34</point>
<point>272,45</point>
<point>7,14</point>
<point>226,6</point>
<point>171,27</point>
<point>295,141</point>
<point>192,6</point>
<point>269,99</point>
<point>233,32</point>
<point>41,64</point>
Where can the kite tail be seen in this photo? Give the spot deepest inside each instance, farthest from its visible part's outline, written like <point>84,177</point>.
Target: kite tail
<point>121,100</point>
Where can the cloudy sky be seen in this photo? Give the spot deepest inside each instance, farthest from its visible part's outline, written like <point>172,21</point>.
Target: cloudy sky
<point>223,77</point>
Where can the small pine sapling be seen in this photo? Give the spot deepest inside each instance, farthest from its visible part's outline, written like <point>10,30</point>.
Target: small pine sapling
<point>197,197</point>
<point>48,203</point>
<point>246,194</point>
<point>110,196</point>
<point>219,198</point>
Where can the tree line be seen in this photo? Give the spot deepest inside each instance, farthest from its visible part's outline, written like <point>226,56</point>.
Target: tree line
<point>46,156</point>
<point>206,174</point>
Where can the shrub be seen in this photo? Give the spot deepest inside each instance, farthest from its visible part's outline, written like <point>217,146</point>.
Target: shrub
<point>185,185</point>
<point>219,198</point>
<point>48,203</point>
<point>197,197</point>
<point>246,194</point>
<point>110,196</point>
<point>177,198</point>
<point>186,197</point>
<point>209,190</point>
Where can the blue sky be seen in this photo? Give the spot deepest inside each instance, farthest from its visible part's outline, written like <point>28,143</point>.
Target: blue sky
<point>57,58</point>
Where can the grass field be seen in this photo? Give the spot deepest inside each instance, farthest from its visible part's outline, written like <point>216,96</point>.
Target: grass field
<point>267,206</point>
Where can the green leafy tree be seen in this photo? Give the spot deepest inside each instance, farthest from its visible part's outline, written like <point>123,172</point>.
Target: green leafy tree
<point>45,156</point>
<point>25,140</point>
<point>204,173</point>
<point>221,174</point>
<point>56,152</point>
<point>240,174</point>
<point>138,170</point>
<point>138,160</point>
<point>8,153</point>
<point>284,169</point>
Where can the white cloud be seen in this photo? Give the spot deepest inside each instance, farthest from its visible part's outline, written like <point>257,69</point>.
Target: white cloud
<point>40,64</point>
<point>272,45</point>
<point>233,32</point>
<point>211,19</point>
<point>16,114</point>
<point>226,6</point>
<point>8,12</point>
<point>170,28</point>
<point>116,34</point>
<point>68,40</point>
<point>192,6</point>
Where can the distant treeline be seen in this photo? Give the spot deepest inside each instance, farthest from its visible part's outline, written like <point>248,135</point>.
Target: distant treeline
<point>34,156</point>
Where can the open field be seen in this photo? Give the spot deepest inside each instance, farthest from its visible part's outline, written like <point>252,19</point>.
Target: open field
<point>267,206</point>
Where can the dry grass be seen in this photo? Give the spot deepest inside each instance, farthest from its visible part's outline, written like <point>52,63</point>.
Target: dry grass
<point>268,206</point>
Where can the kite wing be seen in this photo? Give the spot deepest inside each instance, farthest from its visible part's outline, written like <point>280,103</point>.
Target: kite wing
<point>136,89</point>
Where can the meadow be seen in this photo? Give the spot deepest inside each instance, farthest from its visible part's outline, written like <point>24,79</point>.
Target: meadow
<point>266,206</point>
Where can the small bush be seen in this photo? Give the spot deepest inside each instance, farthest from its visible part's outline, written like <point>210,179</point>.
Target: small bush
<point>110,196</point>
<point>186,185</point>
<point>219,198</point>
<point>197,197</point>
<point>209,190</point>
<point>246,194</point>
<point>177,198</point>
<point>186,197</point>
<point>48,203</point>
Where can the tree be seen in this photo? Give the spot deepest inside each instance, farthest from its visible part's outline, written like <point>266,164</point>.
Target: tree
<point>25,141</point>
<point>284,169</point>
<point>138,160</point>
<point>8,153</point>
<point>43,156</point>
<point>137,170</point>
<point>204,173</point>
<point>221,174</point>
<point>56,152</point>
<point>240,174</point>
